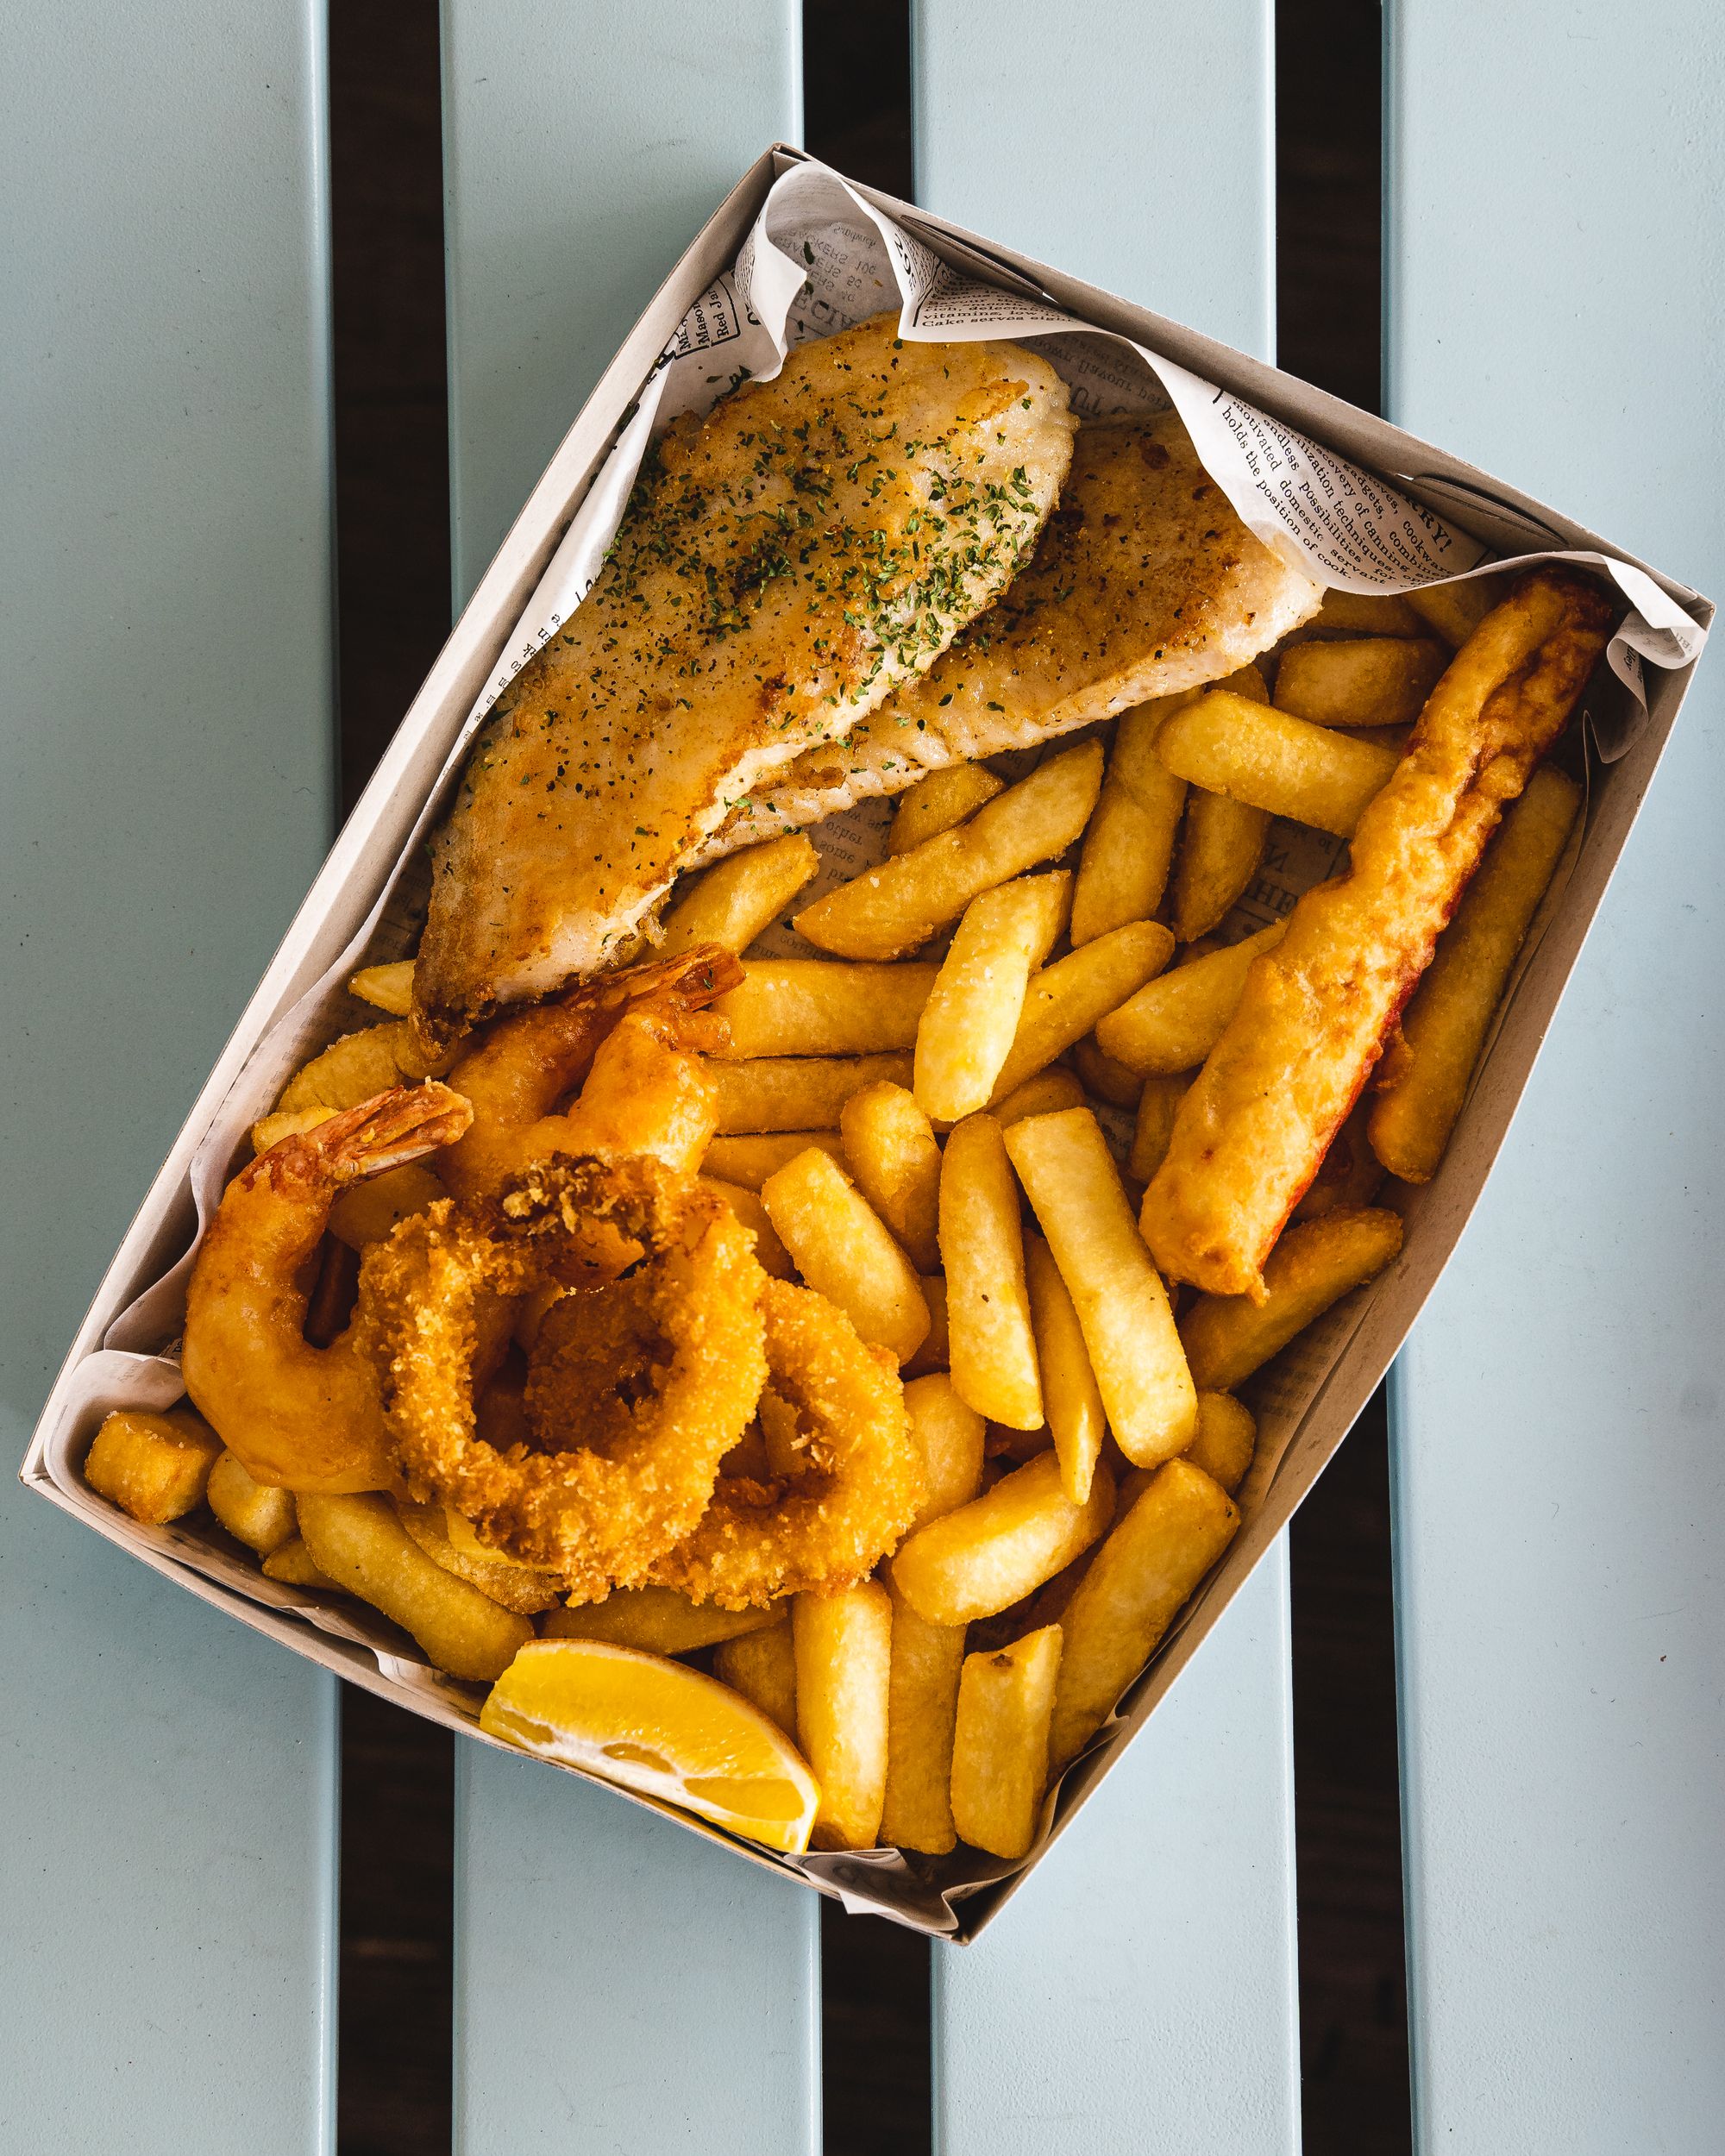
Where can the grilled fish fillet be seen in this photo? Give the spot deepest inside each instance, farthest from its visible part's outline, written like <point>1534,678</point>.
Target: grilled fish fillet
<point>1145,583</point>
<point>782,568</point>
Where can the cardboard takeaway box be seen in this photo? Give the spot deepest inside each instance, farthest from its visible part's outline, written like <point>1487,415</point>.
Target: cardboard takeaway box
<point>361,909</point>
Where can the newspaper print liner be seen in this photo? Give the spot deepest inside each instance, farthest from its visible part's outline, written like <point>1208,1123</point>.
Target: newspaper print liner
<point>818,260</point>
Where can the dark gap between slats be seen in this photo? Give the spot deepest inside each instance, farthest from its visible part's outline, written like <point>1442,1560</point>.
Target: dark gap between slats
<point>1353,2018</point>
<point>876,2091</point>
<point>392,513</point>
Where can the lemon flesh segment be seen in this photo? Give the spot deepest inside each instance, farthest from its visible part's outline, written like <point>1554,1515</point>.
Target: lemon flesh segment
<point>658,1727</point>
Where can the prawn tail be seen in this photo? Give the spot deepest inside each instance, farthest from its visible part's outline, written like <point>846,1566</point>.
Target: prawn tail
<point>388,1131</point>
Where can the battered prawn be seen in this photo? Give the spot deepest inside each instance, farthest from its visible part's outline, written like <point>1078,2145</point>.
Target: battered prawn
<point>296,1416</point>
<point>635,1037</point>
<point>637,1387</point>
<point>854,1491</point>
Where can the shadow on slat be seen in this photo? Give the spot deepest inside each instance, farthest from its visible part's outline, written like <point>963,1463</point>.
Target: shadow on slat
<point>393,514</point>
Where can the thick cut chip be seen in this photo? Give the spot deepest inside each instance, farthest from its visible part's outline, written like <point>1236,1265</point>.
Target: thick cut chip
<point>762,1666</point>
<point>922,1708</point>
<point>1174,1022</point>
<point>843,1646</point>
<point>972,1014</point>
<point>811,1006</point>
<point>1145,584</point>
<point>1160,1549</point>
<point>1069,1176</point>
<point>731,905</point>
<point>795,1092</point>
<point>991,1552</point>
<point>1443,1028</point>
<point>782,567</point>
<point>1315,1264</point>
<point>845,1252</point>
<point>990,1340</point>
<point>999,1748</point>
<point>896,907</point>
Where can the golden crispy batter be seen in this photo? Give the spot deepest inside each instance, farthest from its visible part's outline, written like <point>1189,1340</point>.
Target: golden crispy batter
<point>646,1098</point>
<point>1144,583</point>
<point>781,568</point>
<point>294,1415</point>
<point>667,1409</point>
<point>828,1525</point>
<point>1253,1129</point>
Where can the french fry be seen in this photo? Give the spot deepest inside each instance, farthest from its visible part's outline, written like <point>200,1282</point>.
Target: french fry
<point>1136,1585</point>
<point>1172,1023</point>
<point>811,1006</point>
<point>899,905</point>
<point>1041,1095</point>
<point>359,1544</point>
<point>270,1129</point>
<point>1269,760</point>
<point>1455,610</point>
<point>1070,1398</point>
<point>991,1349</point>
<point>1371,681</point>
<point>1443,1028</point>
<point>1226,1439</point>
<point>889,1147</point>
<point>656,1618</point>
<point>991,1552</point>
<point>737,900</point>
<point>843,1647</point>
<point>1221,842</point>
<point>935,803</point>
<point>386,987</point>
<point>922,1709</point>
<point>951,1437</point>
<point>1068,998</point>
<point>748,1209</point>
<point>252,1512</point>
<point>1312,1019</point>
<point>1123,865</point>
<point>449,1541</point>
<point>762,1666</point>
<point>795,1092</point>
<point>1349,1174</point>
<point>1313,1265</point>
<point>845,1252</point>
<point>932,1356</point>
<point>354,1067</point>
<point>999,1748</point>
<point>370,1211</point>
<point>294,1565</point>
<point>1069,1176</point>
<point>1103,1078</point>
<point>1157,1105</point>
<point>972,1015</point>
<point>154,1466</point>
<point>1365,613</point>
<point>747,1162</point>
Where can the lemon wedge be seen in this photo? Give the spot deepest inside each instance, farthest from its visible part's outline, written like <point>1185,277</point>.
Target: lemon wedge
<point>659,1727</point>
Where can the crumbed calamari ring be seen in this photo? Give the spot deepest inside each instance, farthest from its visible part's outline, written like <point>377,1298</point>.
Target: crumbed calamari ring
<point>828,1526</point>
<point>597,1519</point>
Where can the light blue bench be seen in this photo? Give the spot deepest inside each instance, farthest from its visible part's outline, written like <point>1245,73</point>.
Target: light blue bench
<point>170,1782</point>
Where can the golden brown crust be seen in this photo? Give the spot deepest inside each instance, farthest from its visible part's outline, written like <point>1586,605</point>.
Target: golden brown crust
<point>1251,1133</point>
<point>829,1526</point>
<point>1144,583</point>
<point>781,568</point>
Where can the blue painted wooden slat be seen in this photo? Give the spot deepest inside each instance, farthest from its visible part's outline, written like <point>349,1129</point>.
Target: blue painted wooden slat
<point>166,755</point>
<point>1555,314</point>
<point>1140,1992</point>
<point>619,1983</point>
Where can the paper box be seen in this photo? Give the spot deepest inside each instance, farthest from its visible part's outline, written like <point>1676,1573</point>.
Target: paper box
<point>1264,437</point>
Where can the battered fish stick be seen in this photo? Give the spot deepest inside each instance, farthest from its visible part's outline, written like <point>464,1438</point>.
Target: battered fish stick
<point>1251,1132</point>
